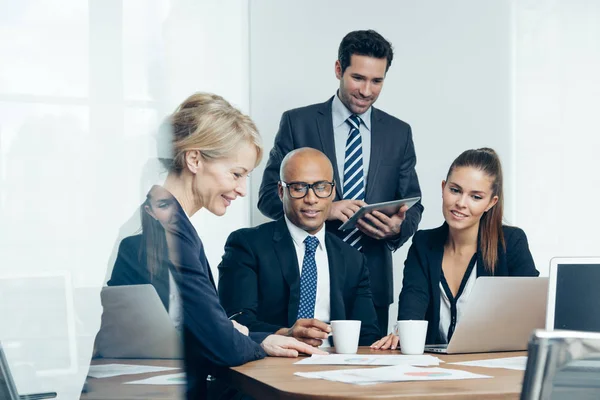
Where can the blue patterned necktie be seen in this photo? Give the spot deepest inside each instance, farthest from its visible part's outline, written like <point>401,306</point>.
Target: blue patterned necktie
<point>308,280</point>
<point>354,179</point>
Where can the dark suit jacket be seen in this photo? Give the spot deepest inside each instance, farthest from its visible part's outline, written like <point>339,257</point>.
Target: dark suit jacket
<point>210,340</point>
<point>391,176</point>
<point>259,275</point>
<point>131,268</point>
<point>420,295</point>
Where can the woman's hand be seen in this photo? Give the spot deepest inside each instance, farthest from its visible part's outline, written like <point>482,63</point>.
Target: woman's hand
<point>241,328</point>
<point>388,342</point>
<point>284,346</point>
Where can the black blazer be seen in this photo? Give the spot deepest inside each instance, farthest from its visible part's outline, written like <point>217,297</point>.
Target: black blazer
<point>391,176</point>
<point>131,268</point>
<point>210,340</point>
<point>420,295</point>
<point>259,275</point>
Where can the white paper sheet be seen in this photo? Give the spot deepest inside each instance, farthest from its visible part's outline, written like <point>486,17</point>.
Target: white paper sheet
<point>371,359</point>
<point>109,370</point>
<point>396,373</point>
<point>173,379</point>
<point>516,363</point>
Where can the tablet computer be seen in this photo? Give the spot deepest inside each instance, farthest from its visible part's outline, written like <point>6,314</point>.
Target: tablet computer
<point>388,208</point>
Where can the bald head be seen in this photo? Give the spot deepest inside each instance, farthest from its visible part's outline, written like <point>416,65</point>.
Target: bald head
<point>308,192</point>
<point>305,156</point>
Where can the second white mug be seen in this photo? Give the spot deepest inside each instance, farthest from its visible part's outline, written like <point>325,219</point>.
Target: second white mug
<point>412,334</point>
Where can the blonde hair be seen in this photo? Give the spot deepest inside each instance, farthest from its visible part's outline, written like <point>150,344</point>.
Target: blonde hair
<point>208,123</point>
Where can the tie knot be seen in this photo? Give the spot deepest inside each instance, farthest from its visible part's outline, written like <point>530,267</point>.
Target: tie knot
<point>354,121</point>
<point>311,243</point>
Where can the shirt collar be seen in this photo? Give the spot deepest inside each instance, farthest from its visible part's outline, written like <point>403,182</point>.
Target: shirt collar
<point>341,114</point>
<point>298,234</point>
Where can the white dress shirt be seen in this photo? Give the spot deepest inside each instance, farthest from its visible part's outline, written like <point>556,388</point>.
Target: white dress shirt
<point>174,303</point>
<point>446,307</point>
<point>341,129</point>
<point>322,302</point>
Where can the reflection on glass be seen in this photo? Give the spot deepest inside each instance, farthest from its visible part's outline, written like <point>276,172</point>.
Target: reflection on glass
<point>577,380</point>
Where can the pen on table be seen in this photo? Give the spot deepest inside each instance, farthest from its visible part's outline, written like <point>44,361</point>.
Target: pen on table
<point>235,315</point>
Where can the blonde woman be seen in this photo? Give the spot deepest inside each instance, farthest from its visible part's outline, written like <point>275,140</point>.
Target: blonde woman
<point>214,148</point>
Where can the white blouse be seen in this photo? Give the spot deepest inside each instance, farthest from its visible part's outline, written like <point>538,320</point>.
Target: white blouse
<point>451,308</point>
<point>175,303</point>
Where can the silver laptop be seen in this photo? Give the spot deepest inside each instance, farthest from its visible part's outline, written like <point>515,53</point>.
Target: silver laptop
<point>135,324</point>
<point>501,314</point>
<point>573,295</point>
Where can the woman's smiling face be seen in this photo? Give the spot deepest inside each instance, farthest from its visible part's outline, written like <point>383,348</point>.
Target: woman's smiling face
<point>219,182</point>
<point>467,195</point>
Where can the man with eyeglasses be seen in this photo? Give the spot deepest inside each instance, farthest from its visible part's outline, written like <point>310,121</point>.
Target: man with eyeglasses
<point>290,276</point>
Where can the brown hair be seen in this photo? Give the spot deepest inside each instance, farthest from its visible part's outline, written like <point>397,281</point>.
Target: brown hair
<point>154,243</point>
<point>153,250</point>
<point>490,228</point>
<point>364,43</point>
<point>208,123</point>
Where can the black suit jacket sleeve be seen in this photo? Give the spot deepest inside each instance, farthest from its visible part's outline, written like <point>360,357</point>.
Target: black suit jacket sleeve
<point>269,202</point>
<point>238,284</point>
<point>126,270</point>
<point>204,317</point>
<point>408,186</point>
<point>518,257</point>
<point>415,295</point>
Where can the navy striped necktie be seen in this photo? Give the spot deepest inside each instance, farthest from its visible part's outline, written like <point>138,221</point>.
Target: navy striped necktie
<point>354,179</point>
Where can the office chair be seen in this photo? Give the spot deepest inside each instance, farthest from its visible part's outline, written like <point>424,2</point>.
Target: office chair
<point>562,365</point>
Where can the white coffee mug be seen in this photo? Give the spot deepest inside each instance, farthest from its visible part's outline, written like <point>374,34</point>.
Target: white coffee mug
<point>412,334</point>
<point>345,336</point>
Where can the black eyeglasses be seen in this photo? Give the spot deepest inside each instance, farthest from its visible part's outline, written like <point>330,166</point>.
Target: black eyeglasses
<point>298,190</point>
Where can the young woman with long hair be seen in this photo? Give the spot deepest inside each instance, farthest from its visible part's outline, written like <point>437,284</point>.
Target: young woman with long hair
<point>443,263</point>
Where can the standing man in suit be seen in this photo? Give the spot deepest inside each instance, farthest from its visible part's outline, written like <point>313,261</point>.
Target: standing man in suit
<point>373,158</point>
<point>290,276</point>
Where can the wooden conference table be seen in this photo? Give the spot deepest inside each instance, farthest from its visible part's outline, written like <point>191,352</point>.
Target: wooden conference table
<point>273,378</point>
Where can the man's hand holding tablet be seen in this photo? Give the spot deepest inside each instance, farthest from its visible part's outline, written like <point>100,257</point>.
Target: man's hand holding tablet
<point>343,210</point>
<point>379,221</point>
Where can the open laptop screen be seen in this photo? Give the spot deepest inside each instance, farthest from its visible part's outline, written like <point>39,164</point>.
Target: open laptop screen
<point>575,300</point>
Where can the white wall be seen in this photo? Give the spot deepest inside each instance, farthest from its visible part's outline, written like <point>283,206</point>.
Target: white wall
<point>450,78</point>
<point>83,87</point>
<point>557,128</point>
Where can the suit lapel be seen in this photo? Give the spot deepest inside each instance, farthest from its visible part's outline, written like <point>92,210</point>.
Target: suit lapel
<point>288,260</point>
<point>481,271</point>
<point>435,266</point>
<point>377,143</point>
<point>434,258</point>
<point>337,277</point>
<point>325,128</point>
